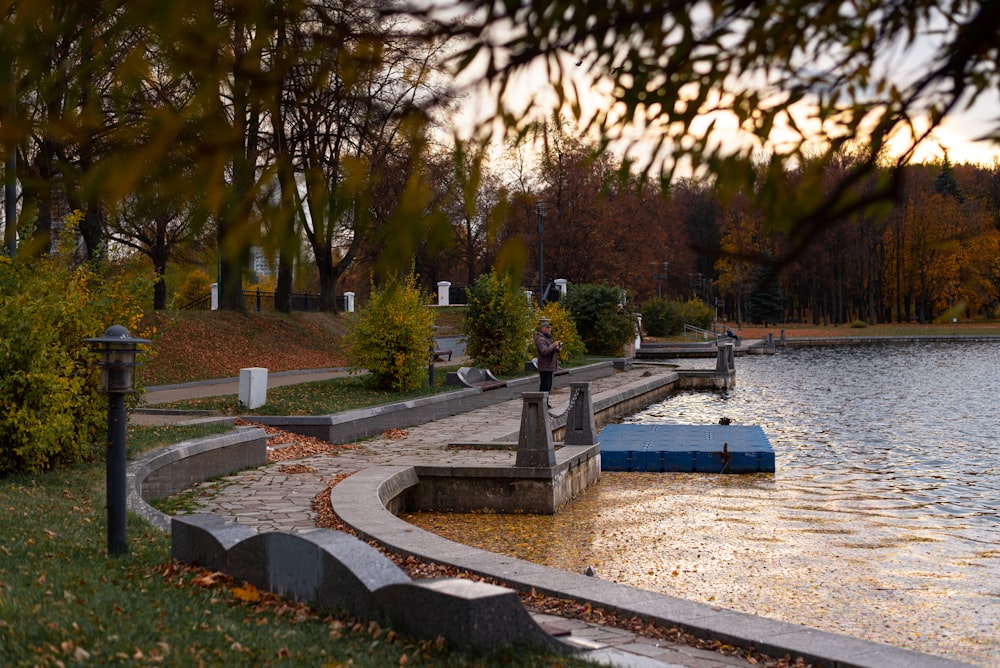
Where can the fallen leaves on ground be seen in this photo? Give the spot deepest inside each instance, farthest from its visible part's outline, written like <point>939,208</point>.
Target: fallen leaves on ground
<point>197,345</point>
<point>292,469</point>
<point>285,445</point>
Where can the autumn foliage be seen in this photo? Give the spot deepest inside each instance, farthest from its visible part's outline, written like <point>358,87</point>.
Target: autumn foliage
<point>392,336</point>
<point>563,329</point>
<point>52,412</point>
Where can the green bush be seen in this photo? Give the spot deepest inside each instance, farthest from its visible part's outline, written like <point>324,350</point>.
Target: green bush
<point>603,316</point>
<point>695,312</point>
<point>391,337</point>
<point>563,329</point>
<point>53,414</point>
<point>498,324</point>
<point>859,324</point>
<point>659,317</point>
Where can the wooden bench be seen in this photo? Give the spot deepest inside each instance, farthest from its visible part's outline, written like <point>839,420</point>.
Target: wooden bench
<point>441,353</point>
<point>484,379</point>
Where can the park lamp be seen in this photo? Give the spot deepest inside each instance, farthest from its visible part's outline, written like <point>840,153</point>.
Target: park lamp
<point>117,352</point>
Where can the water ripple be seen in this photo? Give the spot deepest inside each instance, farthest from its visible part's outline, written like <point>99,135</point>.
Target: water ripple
<point>882,520</point>
<point>886,481</point>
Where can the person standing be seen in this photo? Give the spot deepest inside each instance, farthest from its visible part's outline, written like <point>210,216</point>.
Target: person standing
<point>548,355</point>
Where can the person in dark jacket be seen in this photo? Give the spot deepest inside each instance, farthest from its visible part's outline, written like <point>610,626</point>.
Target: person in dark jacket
<point>548,355</point>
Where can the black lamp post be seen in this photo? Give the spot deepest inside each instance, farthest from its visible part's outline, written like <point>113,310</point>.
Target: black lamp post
<point>659,277</point>
<point>540,214</point>
<point>117,350</point>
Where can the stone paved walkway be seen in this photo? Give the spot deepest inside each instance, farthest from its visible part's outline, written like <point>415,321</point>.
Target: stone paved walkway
<point>269,500</point>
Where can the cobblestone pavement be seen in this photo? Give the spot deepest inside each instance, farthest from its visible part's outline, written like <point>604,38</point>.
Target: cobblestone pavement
<point>269,499</point>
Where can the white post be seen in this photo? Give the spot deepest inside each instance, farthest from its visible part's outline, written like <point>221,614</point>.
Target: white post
<point>349,302</point>
<point>561,284</point>
<point>253,387</point>
<point>444,298</point>
<point>215,296</point>
<point>638,331</point>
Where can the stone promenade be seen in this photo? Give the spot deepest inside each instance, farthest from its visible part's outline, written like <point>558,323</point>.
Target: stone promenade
<point>278,497</point>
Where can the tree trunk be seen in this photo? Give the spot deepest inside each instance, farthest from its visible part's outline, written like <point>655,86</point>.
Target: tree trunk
<point>231,285</point>
<point>283,287</point>
<point>328,277</point>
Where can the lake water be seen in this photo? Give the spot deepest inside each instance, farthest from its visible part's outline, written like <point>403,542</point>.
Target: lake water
<point>882,520</point>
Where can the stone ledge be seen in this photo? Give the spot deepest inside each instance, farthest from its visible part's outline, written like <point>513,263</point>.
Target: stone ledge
<point>373,520</point>
<point>503,489</point>
<point>332,570</point>
<point>173,468</point>
<point>363,423</point>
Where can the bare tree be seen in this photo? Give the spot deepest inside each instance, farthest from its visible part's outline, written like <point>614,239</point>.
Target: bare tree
<point>356,140</point>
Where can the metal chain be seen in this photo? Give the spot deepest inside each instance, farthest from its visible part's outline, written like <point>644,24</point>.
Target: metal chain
<point>572,400</point>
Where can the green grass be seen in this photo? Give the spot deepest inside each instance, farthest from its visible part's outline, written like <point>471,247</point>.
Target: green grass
<point>64,601</point>
<point>316,398</point>
<point>328,396</point>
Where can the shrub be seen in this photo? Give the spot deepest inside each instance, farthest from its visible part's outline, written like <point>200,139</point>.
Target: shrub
<point>603,317</point>
<point>53,414</point>
<point>498,324</point>
<point>391,337</point>
<point>659,317</point>
<point>694,312</point>
<point>859,324</point>
<point>563,329</point>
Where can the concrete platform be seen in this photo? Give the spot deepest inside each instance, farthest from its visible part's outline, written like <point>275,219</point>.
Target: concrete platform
<point>668,448</point>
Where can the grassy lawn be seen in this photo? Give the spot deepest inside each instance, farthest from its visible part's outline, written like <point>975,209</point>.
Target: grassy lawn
<point>64,601</point>
<point>316,398</point>
<point>327,396</point>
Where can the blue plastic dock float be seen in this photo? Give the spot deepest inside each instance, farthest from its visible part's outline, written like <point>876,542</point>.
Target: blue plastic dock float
<point>662,448</point>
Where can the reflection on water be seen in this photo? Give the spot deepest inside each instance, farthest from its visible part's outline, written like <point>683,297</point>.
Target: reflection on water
<point>880,522</point>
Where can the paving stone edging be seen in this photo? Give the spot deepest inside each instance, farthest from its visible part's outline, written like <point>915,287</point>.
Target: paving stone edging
<point>335,571</point>
<point>173,468</point>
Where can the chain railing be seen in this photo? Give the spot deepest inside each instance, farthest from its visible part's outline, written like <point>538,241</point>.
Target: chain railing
<point>572,400</point>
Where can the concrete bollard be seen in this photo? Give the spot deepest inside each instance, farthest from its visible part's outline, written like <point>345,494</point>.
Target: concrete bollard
<point>253,387</point>
<point>580,427</point>
<point>534,441</point>
<point>444,293</point>
<point>720,358</point>
<point>725,358</point>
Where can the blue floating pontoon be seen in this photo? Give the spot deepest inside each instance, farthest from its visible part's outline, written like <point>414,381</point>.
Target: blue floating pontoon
<point>661,448</point>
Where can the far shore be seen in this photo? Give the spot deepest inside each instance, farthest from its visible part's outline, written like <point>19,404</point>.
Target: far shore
<point>803,330</point>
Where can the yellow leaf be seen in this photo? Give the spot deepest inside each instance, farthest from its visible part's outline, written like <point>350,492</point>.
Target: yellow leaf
<point>247,593</point>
